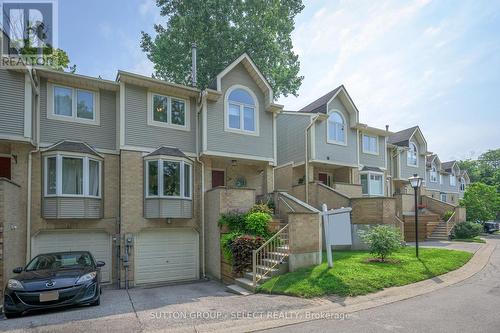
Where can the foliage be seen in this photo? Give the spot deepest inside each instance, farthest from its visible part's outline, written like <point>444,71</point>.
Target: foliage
<point>226,241</point>
<point>242,249</point>
<point>352,275</point>
<point>447,215</point>
<point>234,220</point>
<point>481,201</point>
<point>486,169</point>
<point>257,224</point>
<point>261,208</point>
<point>466,230</point>
<point>382,240</point>
<point>53,58</point>
<point>222,31</point>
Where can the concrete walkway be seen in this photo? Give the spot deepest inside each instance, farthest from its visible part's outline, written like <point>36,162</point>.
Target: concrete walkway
<point>207,307</point>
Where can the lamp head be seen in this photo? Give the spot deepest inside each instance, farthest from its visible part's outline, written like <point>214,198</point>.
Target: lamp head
<point>415,181</point>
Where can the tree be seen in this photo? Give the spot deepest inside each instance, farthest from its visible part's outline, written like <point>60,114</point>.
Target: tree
<point>481,201</point>
<point>382,240</point>
<point>222,31</point>
<point>486,169</point>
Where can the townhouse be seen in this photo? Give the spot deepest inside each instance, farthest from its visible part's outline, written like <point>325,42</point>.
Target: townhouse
<point>445,180</point>
<point>129,169</point>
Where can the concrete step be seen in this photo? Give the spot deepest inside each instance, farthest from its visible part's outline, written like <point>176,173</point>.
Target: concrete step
<point>245,283</point>
<point>235,289</point>
<point>249,276</point>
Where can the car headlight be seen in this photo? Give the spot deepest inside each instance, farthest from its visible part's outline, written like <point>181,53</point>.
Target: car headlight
<point>15,285</point>
<point>87,277</point>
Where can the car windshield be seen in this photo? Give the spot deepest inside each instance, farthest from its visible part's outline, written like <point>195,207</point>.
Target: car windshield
<point>60,261</point>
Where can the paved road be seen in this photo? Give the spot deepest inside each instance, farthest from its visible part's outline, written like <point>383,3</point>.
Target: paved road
<point>472,305</point>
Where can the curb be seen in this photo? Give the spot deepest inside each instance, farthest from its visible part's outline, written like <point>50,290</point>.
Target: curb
<point>354,304</point>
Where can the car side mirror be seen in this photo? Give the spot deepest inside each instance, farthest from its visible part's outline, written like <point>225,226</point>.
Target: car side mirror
<point>100,263</point>
<point>17,270</point>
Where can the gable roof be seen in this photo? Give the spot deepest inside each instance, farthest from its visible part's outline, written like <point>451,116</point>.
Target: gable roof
<point>73,147</point>
<point>447,166</point>
<point>431,159</point>
<point>402,138</point>
<point>319,105</point>
<point>168,151</point>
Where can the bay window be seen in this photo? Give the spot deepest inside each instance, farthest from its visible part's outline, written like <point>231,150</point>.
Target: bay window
<point>72,176</point>
<point>372,184</point>
<point>167,111</point>
<point>168,179</point>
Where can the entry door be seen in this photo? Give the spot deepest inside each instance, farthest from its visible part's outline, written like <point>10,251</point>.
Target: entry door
<point>5,167</point>
<point>218,178</point>
<point>325,178</point>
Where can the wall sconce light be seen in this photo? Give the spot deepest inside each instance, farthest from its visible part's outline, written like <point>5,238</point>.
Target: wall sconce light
<point>234,163</point>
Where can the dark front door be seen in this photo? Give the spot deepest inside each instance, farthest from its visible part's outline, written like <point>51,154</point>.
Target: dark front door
<point>5,167</point>
<point>218,178</point>
<point>323,177</point>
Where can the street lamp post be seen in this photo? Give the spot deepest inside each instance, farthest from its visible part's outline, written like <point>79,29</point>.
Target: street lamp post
<point>416,182</point>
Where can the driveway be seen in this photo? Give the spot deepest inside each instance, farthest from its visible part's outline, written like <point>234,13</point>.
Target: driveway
<point>152,309</point>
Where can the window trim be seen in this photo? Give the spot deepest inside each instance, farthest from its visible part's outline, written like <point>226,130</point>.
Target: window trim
<point>461,183</point>
<point>433,172</point>
<point>255,107</point>
<point>368,173</point>
<point>187,113</point>
<point>74,94</point>
<point>335,142</point>
<point>160,159</point>
<point>454,177</point>
<point>408,155</point>
<point>376,144</point>
<point>441,197</point>
<point>86,175</point>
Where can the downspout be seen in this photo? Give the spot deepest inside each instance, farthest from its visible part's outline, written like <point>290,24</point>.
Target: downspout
<point>306,135</point>
<point>35,84</point>
<point>203,97</point>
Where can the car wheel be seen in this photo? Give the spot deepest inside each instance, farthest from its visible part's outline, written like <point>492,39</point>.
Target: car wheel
<point>96,302</point>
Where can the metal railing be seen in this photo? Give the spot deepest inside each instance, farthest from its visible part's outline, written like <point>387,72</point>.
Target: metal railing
<point>272,253</point>
<point>448,227</point>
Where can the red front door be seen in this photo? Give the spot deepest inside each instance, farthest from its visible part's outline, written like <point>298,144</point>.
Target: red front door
<point>5,167</point>
<point>218,178</point>
<point>323,177</point>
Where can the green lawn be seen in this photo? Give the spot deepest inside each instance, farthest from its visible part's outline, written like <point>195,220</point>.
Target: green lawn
<point>476,239</point>
<point>352,275</point>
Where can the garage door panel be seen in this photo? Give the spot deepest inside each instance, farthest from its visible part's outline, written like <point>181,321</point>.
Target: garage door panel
<point>166,255</point>
<point>96,242</point>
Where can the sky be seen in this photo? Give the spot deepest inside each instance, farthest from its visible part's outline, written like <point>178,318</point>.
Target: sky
<point>435,64</point>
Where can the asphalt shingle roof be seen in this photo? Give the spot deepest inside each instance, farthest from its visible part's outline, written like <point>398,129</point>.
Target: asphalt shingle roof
<point>446,166</point>
<point>402,138</point>
<point>168,151</point>
<point>74,147</point>
<point>368,168</point>
<point>319,105</point>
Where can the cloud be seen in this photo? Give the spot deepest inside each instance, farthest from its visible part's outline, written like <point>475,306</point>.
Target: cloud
<point>400,61</point>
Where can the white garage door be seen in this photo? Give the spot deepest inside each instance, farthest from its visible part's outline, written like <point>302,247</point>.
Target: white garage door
<point>96,242</point>
<point>166,255</point>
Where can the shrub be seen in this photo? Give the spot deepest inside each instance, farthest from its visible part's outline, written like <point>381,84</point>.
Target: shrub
<point>242,248</point>
<point>234,220</point>
<point>225,241</point>
<point>464,230</point>
<point>256,224</point>
<point>382,240</point>
<point>447,215</point>
<point>261,208</point>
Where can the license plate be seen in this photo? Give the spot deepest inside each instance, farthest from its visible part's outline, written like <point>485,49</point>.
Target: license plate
<point>49,296</point>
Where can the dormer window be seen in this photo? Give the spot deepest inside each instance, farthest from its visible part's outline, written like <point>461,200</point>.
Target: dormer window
<point>434,174</point>
<point>72,104</point>
<point>336,129</point>
<point>168,111</point>
<point>411,157</point>
<point>241,110</point>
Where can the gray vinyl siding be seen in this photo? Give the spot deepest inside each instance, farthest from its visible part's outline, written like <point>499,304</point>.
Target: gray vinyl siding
<point>432,185</point>
<point>11,103</point>
<point>219,140</point>
<point>168,208</point>
<point>291,141</point>
<point>446,187</point>
<point>138,133</point>
<point>372,160</point>
<point>408,171</point>
<point>99,136</point>
<point>333,153</point>
<point>76,208</point>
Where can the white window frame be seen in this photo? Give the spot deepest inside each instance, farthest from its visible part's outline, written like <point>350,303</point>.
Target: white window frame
<point>368,174</point>
<point>462,184</point>
<point>59,157</point>
<point>336,142</point>
<point>241,130</point>
<point>440,179</point>
<point>51,112</point>
<point>441,197</point>
<point>160,161</point>
<point>454,178</point>
<point>168,124</point>
<point>408,155</point>
<point>376,144</point>
<point>434,173</point>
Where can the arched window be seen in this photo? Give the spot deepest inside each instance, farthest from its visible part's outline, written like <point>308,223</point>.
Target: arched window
<point>241,109</point>
<point>433,173</point>
<point>336,128</point>
<point>462,184</point>
<point>453,179</point>
<point>412,155</point>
